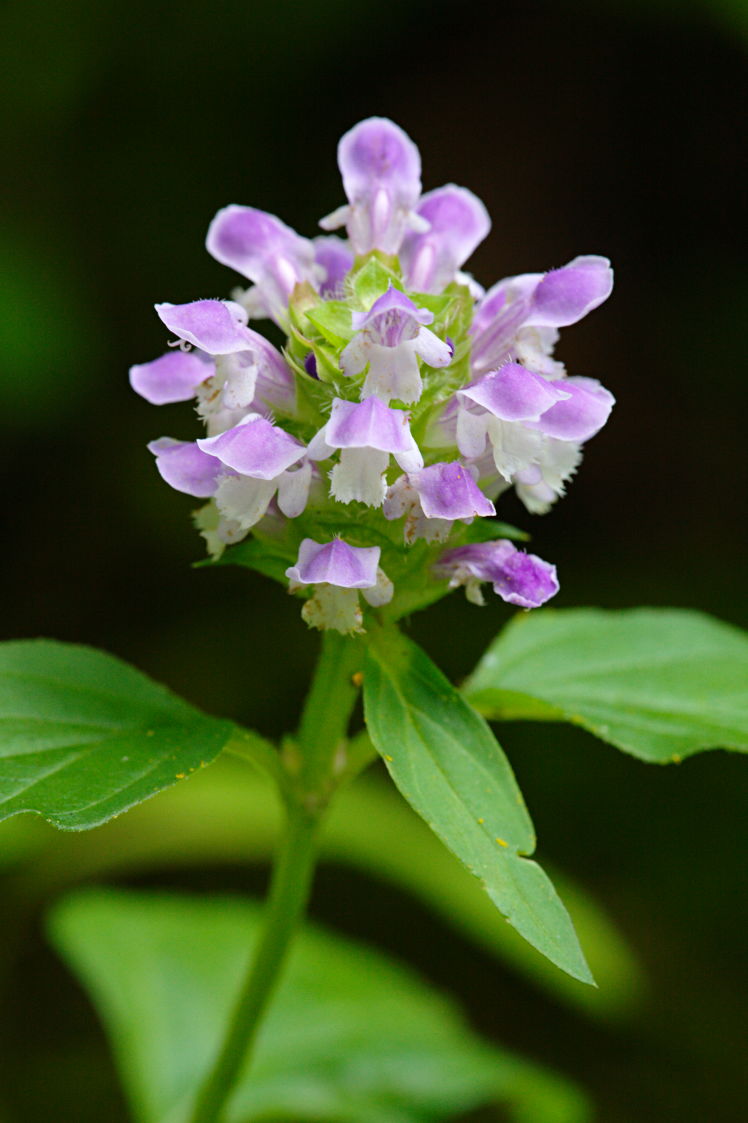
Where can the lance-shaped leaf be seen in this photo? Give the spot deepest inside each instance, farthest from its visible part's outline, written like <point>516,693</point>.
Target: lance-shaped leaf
<point>659,683</point>
<point>350,1038</point>
<point>450,768</point>
<point>83,736</point>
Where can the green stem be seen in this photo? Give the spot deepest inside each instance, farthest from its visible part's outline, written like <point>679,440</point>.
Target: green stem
<point>289,893</point>
<point>326,713</point>
<point>322,731</point>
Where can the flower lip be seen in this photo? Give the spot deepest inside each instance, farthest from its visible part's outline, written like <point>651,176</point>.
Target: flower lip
<point>185,467</point>
<point>368,424</point>
<point>583,412</point>
<point>376,151</point>
<point>381,170</point>
<point>514,393</point>
<point>458,222</point>
<point>517,577</point>
<point>335,563</point>
<point>567,294</point>
<point>173,377</point>
<point>217,327</point>
<point>448,491</point>
<point>250,241</point>
<point>255,447</point>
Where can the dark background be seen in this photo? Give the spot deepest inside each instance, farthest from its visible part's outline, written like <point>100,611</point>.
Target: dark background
<point>585,128</point>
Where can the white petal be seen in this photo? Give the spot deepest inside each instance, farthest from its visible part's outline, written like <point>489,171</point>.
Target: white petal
<point>471,432</point>
<point>381,593</point>
<point>360,475</point>
<point>334,608</point>
<point>293,490</point>
<point>244,500</point>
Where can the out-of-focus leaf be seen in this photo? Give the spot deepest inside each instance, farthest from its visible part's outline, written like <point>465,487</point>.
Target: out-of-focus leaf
<point>227,814</point>
<point>350,1038</point>
<point>659,683</point>
<point>84,737</point>
<point>450,768</point>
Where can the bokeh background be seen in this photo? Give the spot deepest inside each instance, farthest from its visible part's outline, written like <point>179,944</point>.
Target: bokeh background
<point>612,128</point>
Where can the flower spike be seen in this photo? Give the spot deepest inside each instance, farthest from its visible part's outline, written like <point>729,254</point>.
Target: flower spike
<point>365,452</point>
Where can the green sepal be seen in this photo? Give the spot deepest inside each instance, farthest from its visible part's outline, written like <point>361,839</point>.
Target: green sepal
<point>333,319</point>
<point>372,279</point>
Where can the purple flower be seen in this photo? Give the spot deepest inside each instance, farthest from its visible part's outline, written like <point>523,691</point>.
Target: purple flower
<point>391,337</point>
<point>525,418</point>
<point>258,455</point>
<point>457,223</point>
<point>367,434</point>
<point>266,251</point>
<point>185,467</point>
<point>218,327</point>
<point>381,171</point>
<point>334,258</point>
<point>234,369</point>
<point>433,499</point>
<point>517,577</point>
<point>518,318</point>
<point>338,571</point>
<point>174,377</point>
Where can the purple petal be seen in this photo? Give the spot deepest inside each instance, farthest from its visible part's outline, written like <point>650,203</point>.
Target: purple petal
<point>335,563</point>
<point>581,415</point>
<point>255,448</point>
<point>259,246</point>
<point>525,580</point>
<point>217,327</point>
<point>448,491</point>
<point>368,424</point>
<point>173,377</point>
<point>185,467</point>
<point>381,171</point>
<point>514,393</point>
<point>336,259</point>
<point>391,312</point>
<point>458,222</point>
<point>566,295</point>
<point>513,293</point>
<point>518,578</point>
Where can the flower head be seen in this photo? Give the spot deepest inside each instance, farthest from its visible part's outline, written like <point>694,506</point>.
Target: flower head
<point>370,506</point>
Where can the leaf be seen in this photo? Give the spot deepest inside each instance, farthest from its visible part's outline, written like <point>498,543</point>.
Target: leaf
<point>448,765</point>
<point>265,557</point>
<point>659,683</point>
<point>486,530</point>
<point>333,318</point>
<point>350,1038</point>
<point>227,814</point>
<point>83,736</point>
<point>372,280</point>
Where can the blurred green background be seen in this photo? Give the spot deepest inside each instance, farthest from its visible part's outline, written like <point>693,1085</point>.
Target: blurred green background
<point>612,128</point>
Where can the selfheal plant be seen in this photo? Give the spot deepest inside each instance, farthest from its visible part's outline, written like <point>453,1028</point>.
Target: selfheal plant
<point>404,402</point>
<point>361,465</point>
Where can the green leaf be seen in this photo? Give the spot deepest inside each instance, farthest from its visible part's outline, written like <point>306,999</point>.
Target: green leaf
<point>372,280</point>
<point>486,530</point>
<point>350,1038</point>
<point>227,814</point>
<point>83,736</point>
<point>659,683</point>
<point>265,557</point>
<point>448,765</point>
<point>333,318</point>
